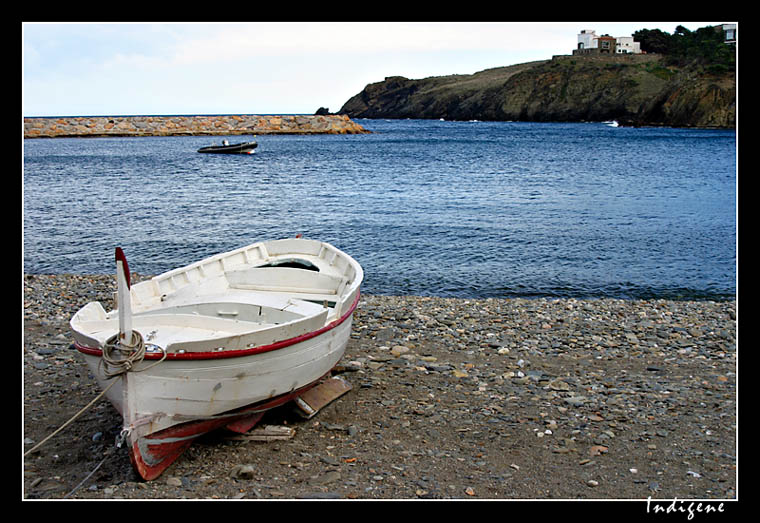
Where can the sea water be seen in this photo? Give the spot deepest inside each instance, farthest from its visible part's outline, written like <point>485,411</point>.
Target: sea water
<point>433,208</point>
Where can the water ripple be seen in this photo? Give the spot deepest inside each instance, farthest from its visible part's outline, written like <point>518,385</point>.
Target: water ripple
<point>432,208</point>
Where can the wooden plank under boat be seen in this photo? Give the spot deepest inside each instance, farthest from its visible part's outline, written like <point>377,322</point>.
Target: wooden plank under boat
<point>226,148</point>
<point>224,340</point>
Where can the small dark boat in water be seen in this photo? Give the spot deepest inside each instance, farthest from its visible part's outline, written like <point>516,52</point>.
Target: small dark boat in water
<point>227,148</point>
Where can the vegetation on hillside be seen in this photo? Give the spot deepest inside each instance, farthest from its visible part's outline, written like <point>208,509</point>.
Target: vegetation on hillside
<point>704,47</point>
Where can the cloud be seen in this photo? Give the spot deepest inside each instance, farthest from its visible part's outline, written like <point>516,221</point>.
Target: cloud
<point>233,42</point>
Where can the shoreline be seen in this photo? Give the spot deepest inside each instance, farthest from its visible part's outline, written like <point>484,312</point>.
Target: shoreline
<point>684,295</point>
<point>515,398</point>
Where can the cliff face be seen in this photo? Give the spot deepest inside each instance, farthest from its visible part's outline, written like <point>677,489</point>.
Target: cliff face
<point>632,89</point>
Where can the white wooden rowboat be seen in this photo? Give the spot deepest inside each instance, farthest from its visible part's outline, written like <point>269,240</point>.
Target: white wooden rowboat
<point>218,342</point>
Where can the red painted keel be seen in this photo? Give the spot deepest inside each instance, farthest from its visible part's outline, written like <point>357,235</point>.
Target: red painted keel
<point>151,455</point>
<point>245,424</point>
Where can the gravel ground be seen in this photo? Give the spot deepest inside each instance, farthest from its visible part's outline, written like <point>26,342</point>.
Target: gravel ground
<point>452,399</point>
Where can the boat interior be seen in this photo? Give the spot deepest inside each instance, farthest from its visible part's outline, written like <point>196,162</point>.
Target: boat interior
<point>235,301</point>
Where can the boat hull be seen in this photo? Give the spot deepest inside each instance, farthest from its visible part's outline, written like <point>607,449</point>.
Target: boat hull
<point>239,148</point>
<point>222,362</point>
<point>152,454</point>
<point>168,406</point>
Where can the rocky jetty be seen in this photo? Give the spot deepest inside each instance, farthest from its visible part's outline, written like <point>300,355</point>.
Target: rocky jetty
<point>632,89</point>
<point>93,126</point>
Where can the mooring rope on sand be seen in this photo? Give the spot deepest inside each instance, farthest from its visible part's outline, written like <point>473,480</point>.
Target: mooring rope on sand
<point>133,353</point>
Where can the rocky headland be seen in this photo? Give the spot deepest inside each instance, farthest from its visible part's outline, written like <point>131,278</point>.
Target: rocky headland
<point>215,125</point>
<point>637,90</point>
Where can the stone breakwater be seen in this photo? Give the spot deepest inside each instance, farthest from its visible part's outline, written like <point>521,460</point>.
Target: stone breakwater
<point>452,398</point>
<point>98,126</point>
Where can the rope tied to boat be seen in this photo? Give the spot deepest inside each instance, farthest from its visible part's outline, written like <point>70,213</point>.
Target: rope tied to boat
<point>120,357</point>
<point>131,354</point>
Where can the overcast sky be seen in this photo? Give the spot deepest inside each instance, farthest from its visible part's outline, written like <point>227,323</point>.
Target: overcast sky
<point>114,69</point>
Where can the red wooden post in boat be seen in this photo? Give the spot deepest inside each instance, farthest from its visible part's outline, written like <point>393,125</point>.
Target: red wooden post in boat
<point>124,299</point>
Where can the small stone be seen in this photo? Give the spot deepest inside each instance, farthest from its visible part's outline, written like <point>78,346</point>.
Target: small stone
<point>398,350</point>
<point>592,483</point>
<point>328,477</point>
<point>576,401</point>
<point>559,385</point>
<point>173,481</point>
<point>319,495</point>
<point>243,472</point>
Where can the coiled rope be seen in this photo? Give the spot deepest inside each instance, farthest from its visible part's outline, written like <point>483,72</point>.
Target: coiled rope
<point>118,358</point>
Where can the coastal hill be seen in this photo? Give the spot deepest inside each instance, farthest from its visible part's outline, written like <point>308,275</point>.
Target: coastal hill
<point>639,90</point>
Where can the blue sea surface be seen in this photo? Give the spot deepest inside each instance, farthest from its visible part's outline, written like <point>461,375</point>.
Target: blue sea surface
<point>432,208</point>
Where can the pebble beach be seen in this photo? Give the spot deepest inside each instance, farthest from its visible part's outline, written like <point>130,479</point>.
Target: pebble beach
<point>535,398</point>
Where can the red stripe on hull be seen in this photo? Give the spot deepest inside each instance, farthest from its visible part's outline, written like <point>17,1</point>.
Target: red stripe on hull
<point>96,351</point>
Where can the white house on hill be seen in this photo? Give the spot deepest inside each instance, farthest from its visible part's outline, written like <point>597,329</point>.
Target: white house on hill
<point>729,32</point>
<point>590,43</point>
<point>626,44</point>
